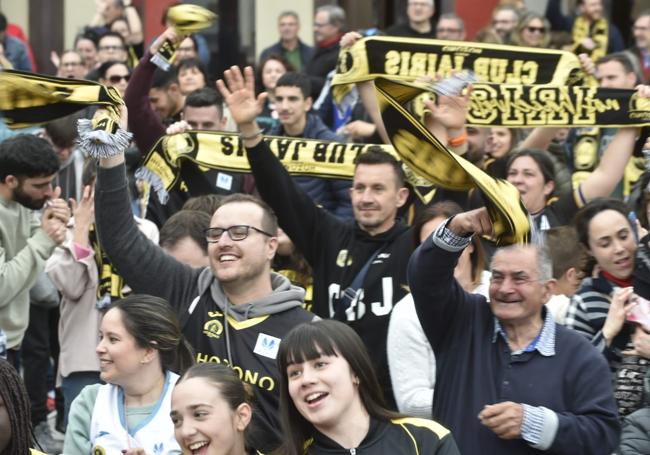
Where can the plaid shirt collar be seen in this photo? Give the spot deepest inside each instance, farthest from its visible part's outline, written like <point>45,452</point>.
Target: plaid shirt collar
<point>544,343</point>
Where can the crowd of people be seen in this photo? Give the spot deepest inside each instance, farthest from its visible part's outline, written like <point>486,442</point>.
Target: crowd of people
<point>269,311</point>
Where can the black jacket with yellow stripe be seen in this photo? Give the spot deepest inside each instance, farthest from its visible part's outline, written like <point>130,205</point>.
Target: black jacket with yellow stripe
<point>405,436</point>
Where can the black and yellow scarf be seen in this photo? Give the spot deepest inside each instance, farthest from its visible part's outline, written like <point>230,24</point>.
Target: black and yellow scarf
<point>225,151</point>
<point>187,19</point>
<point>409,58</point>
<point>432,161</point>
<point>28,99</point>
<point>597,31</point>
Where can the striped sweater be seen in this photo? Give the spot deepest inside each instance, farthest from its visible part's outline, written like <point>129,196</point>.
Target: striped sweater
<point>587,313</point>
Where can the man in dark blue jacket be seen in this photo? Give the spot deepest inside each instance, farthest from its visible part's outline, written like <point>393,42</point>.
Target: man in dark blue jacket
<point>290,46</point>
<point>509,380</point>
<point>293,105</point>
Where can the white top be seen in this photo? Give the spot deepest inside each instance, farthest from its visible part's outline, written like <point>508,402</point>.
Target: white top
<point>411,360</point>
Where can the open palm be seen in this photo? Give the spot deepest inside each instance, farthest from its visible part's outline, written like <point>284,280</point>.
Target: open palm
<point>238,92</point>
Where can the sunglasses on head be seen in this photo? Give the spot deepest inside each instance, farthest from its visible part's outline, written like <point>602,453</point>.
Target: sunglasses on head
<point>536,29</point>
<point>116,78</point>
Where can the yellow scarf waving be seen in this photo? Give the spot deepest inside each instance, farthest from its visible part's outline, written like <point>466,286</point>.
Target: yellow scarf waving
<point>431,160</point>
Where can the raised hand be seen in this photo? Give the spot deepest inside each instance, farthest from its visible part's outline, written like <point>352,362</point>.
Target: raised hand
<point>170,33</point>
<point>473,222</point>
<point>238,92</point>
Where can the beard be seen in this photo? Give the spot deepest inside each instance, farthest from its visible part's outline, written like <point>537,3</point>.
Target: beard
<point>26,200</point>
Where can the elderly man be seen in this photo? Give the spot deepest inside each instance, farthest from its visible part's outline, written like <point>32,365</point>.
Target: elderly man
<point>510,381</point>
<point>419,14</point>
<point>290,46</point>
<point>329,24</point>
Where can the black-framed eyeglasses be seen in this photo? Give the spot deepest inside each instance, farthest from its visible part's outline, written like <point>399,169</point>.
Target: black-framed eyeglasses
<point>115,79</point>
<point>236,233</point>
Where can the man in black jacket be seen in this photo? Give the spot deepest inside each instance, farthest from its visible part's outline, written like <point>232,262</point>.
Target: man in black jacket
<point>329,25</point>
<point>337,250</point>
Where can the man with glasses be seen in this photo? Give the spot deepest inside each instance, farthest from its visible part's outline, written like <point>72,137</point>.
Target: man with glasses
<point>531,385</point>
<point>504,21</point>
<point>450,27</point>
<point>111,47</point>
<point>234,312</point>
<point>71,65</point>
<point>419,14</point>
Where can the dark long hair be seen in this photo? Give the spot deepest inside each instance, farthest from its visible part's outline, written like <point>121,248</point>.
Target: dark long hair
<point>153,324</point>
<point>309,341</point>
<point>16,401</point>
<point>587,213</point>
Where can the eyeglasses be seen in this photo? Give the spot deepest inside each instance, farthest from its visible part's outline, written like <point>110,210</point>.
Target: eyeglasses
<point>319,25</point>
<point>70,64</point>
<point>111,48</point>
<point>236,233</point>
<point>447,30</point>
<point>536,29</point>
<point>115,79</point>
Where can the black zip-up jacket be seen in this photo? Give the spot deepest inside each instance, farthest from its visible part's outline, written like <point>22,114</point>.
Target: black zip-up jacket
<point>336,251</point>
<point>406,436</point>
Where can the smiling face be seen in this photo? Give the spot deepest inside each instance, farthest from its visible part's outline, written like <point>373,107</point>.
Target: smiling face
<point>376,197</point>
<point>120,358</point>
<point>612,244</point>
<point>292,108</point>
<point>642,32</point>
<point>325,391</point>
<point>516,292</point>
<point>243,261</point>
<point>533,33</point>
<point>204,423</point>
<point>504,21</point>
<point>592,9</point>
<point>499,142</point>
<point>524,173</point>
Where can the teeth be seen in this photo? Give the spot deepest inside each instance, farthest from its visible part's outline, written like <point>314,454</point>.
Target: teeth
<point>314,396</point>
<point>227,257</point>
<point>197,445</point>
